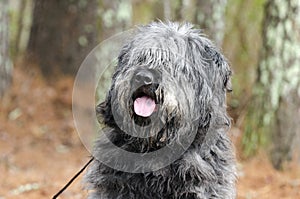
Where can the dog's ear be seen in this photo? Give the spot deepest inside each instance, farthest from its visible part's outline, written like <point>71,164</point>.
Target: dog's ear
<point>123,57</point>
<point>104,114</point>
<point>222,67</point>
<point>221,80</point>
<point>101,110</point>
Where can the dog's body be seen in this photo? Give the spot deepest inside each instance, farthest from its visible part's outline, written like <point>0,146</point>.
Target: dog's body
<point>187,78</point>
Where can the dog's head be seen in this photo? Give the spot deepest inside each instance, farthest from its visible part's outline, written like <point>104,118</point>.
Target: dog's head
<point>167,74</point>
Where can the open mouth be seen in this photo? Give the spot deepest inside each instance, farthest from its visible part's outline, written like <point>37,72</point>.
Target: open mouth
<point>144,100</point>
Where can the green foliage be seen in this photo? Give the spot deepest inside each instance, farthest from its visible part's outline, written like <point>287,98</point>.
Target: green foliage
<point>256,130</point>
<point>13,27</point>
<point>242,44</point>
<point>19,25</point>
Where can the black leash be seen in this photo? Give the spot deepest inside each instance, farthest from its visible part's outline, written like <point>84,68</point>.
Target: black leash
<point>70,182</point>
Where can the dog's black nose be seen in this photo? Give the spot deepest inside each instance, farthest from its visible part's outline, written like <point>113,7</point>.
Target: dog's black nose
<point>144,77</point>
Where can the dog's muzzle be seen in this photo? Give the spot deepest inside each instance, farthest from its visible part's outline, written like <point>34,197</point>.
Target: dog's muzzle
<point>145,83</point>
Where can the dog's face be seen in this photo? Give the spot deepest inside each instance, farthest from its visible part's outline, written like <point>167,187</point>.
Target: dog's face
<point>167,75</point>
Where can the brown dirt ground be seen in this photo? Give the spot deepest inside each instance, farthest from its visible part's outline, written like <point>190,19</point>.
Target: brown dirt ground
<point>40,149</point>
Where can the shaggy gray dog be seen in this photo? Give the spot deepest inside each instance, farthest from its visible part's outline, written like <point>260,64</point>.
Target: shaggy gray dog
<point>168,93</point>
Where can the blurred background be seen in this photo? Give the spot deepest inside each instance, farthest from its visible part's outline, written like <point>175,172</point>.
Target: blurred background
<point>43,43</point>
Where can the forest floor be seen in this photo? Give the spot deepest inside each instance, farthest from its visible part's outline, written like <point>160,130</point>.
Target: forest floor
<point>40,149</point>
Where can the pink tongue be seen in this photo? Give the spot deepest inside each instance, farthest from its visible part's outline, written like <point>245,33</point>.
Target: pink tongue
<point>144,106</point>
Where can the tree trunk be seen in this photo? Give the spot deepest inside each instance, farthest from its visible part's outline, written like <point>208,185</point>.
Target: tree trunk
<point>115,17</point>
<point>5,65</point>
<point>62,34</point>
<point>276,107</point>
<point>20,26</point>
<point>145,11</point>
<point>209,15</point>
<point>206,15</point>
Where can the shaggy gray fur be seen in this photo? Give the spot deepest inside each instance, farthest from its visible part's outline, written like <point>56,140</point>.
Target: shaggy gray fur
<point>190,78</point>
